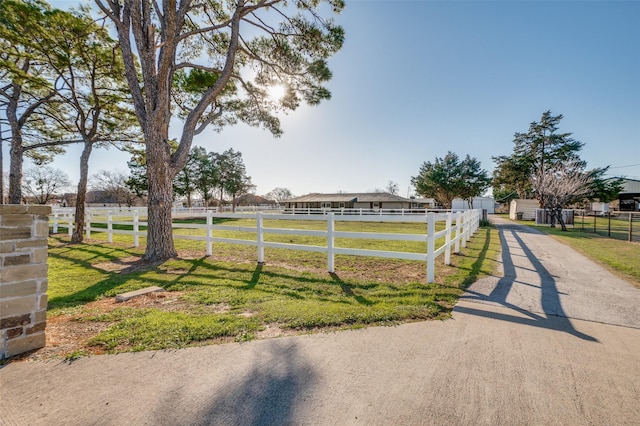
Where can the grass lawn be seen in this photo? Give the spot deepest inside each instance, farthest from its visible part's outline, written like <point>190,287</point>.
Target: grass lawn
<point>228,297</point>
<point>620,257</point>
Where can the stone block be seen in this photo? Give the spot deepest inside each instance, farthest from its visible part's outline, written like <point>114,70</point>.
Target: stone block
<point>130,295</point>
<point>36,242</point>
<point>23,273</point>
<point>21,289</point>
<point>39,255</point>
<point>21,233</point>
<point>18,306</point>
<point>36,328</point>
<point>41,229</point>
<point>25,343</point>
<point>15,321</point>
<point>21,259</point>
<point>40,316</point>
<point>43,302</point>
<point>14,332</point>
<point>44,286</point>
<point>7,247</point>
<point>13,209</point>
<point>15,220</point>
<point>39,210</point>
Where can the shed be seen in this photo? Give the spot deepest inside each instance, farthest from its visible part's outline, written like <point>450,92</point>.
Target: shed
<point>629,197</point>
<point>524,206</point>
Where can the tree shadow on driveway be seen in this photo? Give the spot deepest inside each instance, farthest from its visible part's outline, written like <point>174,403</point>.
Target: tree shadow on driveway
<point>554,316</point>
<point>269,392</point>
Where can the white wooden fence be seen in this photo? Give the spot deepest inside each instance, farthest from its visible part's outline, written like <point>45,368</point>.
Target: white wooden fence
<point>458,229</point>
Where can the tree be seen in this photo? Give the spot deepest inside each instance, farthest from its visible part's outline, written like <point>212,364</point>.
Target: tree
<point>233,179</point>
<point>448,178</point>
<point>25,86</point>
<point>474,180</point>
<point>208,173</point>
<point>137,180</point>
<point>184,183</point>
<point>511,178</point>
<point>392,188</point>
<point>279,195</point>
<point>604,189</point>
<point>539,149</point>
<point>211,63</point>
<point>113,184</point>
<point>91,88</point>
<point>42,183</point>
<point>560,185</point>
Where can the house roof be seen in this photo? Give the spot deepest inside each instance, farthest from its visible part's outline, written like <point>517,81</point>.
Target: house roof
<point>356,197</point>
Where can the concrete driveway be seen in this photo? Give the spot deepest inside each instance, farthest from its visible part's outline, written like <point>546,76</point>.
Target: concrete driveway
<point>515,353</point>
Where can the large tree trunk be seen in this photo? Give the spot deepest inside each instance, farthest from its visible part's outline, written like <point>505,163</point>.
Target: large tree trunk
<point>15,157</point>
<point>560,219</point>
<point>160,199</point>
<point>15,171</point>
<point>78,231</point>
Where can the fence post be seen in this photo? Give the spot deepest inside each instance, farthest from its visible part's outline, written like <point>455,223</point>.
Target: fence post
<point>447,250</point>
<point>331,265</point>
<point>88,224</point>
<point>70,224</point>
<point>55,222</point>
<point>260,238</point>
<point>209,232</point>
<point>630,226</point>
<point>465,228</point>
<point>136,229</point>
<point>456,245</point>
<point>109,226</point>
<point>431,244</point>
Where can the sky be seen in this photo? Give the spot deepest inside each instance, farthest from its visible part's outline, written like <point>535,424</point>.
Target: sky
<point>416,79</point>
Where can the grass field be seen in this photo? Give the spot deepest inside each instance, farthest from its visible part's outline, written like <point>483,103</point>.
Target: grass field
<point>228,297</point>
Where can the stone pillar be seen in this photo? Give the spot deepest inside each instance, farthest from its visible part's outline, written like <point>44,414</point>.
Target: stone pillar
<point>23,278</point>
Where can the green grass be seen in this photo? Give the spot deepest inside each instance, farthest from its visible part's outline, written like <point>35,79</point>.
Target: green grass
<point>229,297</point>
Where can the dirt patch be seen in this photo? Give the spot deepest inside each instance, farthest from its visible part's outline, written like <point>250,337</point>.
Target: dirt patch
<point>68,334</point>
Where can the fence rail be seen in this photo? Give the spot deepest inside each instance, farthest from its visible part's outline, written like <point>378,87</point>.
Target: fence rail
<point>271,209</point>
<point>458,229</point>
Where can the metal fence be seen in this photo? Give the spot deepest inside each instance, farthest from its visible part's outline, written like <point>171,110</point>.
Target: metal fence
<point>618,225</point>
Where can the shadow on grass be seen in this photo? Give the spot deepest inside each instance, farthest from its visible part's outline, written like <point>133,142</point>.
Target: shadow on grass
<point>476,267</point>
<point>347,290</point>
<point>94,291</point>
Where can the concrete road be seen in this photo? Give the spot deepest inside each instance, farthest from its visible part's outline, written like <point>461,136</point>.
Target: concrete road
<point>494,363</point>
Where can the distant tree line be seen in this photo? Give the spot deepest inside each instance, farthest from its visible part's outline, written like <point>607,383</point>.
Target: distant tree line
<point>210,175</point>
<point>545,164</point>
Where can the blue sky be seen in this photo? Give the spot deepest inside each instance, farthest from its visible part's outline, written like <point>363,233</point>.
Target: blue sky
<point>416,79</point>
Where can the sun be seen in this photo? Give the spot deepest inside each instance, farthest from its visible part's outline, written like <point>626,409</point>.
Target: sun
<point>277,92</point>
